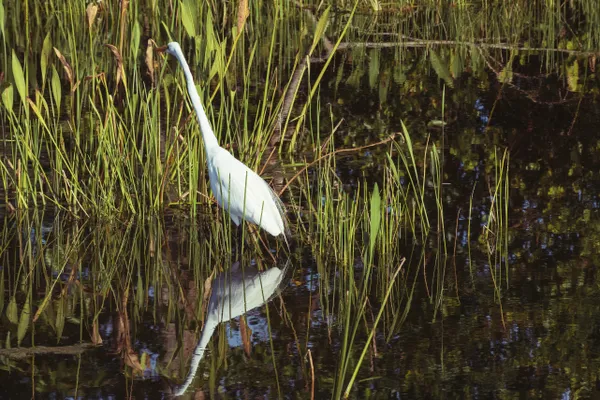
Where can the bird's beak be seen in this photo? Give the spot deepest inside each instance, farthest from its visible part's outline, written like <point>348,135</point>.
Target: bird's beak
<point>161,49</point>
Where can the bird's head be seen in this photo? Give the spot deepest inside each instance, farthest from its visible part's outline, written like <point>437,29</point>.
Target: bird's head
<point>172,48</point>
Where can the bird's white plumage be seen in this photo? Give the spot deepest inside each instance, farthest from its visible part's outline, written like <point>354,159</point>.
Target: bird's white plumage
<point>236,187</point>
<point>244,193</point>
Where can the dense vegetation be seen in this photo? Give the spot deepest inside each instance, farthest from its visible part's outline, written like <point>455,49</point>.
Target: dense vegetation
<point>438,161</point>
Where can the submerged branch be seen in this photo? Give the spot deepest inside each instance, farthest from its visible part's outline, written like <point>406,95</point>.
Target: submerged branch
<point>528,94</point>
<point>21,353</point>
<point>481,45</point>
<point>307,59</point>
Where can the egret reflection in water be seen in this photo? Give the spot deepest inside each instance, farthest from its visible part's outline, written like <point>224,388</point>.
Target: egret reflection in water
<point>234,293</point>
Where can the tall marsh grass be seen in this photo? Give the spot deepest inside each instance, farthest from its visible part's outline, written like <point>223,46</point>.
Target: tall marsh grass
<point>96,127</point>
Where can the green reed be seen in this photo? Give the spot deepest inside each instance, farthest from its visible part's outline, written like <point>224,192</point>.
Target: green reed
<point>107,133</point>
<point>114,127</point>
<point>81,98</point>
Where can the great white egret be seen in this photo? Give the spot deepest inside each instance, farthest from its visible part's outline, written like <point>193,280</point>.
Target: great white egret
<point>234,293</point>
<point>237,188</point>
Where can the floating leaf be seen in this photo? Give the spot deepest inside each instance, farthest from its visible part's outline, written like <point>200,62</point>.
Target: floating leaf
<point>440,68</point>
<point>17,70</point>
<point>11,311</point>
<point>8,98</point>
<point>45,56</point>
<point>24,320</point>
<point>436,123</point>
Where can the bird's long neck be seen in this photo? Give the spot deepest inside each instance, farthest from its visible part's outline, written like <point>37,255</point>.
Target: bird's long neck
<point>210,140</point>
<point>207,332</point>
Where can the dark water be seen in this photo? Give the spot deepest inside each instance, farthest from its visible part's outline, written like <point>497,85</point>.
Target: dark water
<point>539,339</point>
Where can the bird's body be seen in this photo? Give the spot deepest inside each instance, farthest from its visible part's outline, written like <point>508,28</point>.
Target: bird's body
<point>237,188</point>
<point>260,206</point>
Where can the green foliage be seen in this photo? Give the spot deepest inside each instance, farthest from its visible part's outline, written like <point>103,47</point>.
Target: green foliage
<point>19,78</point>
<point>440,68</point>
<point>7,98</point>
<point>12,310</point>
<point>375,215</point>
<point>110,144</point>
<point>24,319</point>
